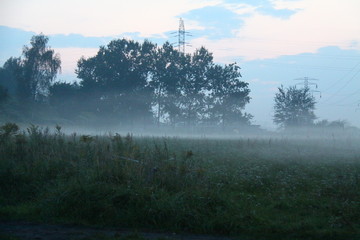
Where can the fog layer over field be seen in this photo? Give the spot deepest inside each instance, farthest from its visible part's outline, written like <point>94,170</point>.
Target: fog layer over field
<point>274,186</point>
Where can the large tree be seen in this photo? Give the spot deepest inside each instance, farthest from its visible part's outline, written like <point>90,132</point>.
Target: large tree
<point>28,79</point>
<point>116,80</point>
<point>170,70</point>
<point>39,67</point>
<point>194,86</point>
<point>294,107</point>
<point>129,81</point>
<point>227,95</point>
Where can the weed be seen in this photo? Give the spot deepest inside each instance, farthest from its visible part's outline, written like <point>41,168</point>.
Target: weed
<point>276,187</point>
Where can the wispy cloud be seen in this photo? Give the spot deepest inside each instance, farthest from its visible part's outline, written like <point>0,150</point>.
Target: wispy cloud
<point>313,24</point>
<point>97,18</point>
<point>232,29</point>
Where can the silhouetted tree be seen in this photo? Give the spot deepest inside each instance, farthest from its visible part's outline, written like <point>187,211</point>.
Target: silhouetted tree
<point>3,94</point>
<point>294,107</point>
<point>66,99</point>
<point>169,71</point>
<point>337,124</point>
<point>9,73</point>
<point>116,80</point>
<point>194,85</point>
<point>227,96</point>
<point>128,81</point>
<point>39,67</point>
<point>193,90</point>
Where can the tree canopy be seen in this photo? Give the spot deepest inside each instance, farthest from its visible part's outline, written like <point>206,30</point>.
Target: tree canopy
<point>31,75</point>
<point>294,107</point>
<point>130,82</point>
<point>127,79</point>
<point>39,66</point>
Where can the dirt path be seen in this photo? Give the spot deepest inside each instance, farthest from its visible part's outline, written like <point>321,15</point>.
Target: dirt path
<point>35,231</point>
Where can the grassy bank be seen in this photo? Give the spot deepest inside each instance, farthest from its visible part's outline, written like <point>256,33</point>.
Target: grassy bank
<point>256,188</point>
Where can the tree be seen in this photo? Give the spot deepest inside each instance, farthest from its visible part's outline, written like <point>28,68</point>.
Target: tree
<point>9,74</point>
<point>227,96</point>
<point>62,95</point>
<point>3,94</point>
<point>39,68</point>
<point>129,81</point>
<point>194,85</point>
<point>194,90</point>
<point>169,70</point>
<point>116,80</point>
<point>294,107</point>
<point>337,124</point>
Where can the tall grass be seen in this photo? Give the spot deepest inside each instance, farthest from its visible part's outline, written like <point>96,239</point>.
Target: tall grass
<point>270,188</point>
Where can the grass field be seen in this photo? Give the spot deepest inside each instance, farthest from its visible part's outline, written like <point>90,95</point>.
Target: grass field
<point>253,188</point>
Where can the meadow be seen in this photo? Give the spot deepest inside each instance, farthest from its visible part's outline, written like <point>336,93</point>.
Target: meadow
<point>248,188</point>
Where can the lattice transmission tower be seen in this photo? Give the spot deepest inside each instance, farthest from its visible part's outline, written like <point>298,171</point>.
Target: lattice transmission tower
<point>181,34</point>
<point>307,83</point>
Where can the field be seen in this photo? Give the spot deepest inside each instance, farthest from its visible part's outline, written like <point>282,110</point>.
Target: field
<point>247,188</point>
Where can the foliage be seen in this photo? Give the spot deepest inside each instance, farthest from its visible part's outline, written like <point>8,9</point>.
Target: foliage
<point>115,80</point>
<point>127,80</point>
<point>276,188</point>
<point>9,129</point>
<point>170,68</point>
<point>3,94</point>
<point>294,107</point>
<point>62,95</point>
<point>8,75</point>
<point>37,69</point>
<point>339,124</point>
<point>28,80</point>
<point>127,83</point>
<point>193,87</point>
<point>228,95</point>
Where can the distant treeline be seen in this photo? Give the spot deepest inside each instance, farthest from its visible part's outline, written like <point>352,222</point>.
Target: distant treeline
<point>127,82</point>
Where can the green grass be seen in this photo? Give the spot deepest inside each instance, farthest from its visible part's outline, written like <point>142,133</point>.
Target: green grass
<point>275,188</point>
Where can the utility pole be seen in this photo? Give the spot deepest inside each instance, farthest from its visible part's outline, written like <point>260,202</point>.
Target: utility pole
<point>307,82</point>
<point>181,35</point>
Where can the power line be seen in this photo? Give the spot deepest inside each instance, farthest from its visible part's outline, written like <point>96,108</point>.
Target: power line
<point>336,82</point>
<point>312,67</point>
<point>340,89</point>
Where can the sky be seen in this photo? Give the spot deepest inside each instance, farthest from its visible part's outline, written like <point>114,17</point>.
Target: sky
<point>275,42</point>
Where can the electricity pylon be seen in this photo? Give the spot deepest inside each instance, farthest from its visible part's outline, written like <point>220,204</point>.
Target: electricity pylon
<point>307,83</point>
<point>181,35</point>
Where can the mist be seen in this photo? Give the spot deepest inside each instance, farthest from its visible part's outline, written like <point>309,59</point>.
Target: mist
<point>150,137</point>
<point>146,89</point>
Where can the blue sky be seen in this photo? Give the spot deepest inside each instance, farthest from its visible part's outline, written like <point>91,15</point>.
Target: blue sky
<point>274,41</point>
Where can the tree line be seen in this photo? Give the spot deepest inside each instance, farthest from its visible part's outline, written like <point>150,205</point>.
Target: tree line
<point>127,82</point>
<point>132,83</point>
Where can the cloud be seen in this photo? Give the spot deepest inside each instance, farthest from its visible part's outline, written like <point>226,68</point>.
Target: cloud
<point>96,18</point>
<point>232,29</point>
<point>11,42</point>
<point>216,22</point>
<point>70,56</point>
<point>266,7</point>
<point>315,24</point>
